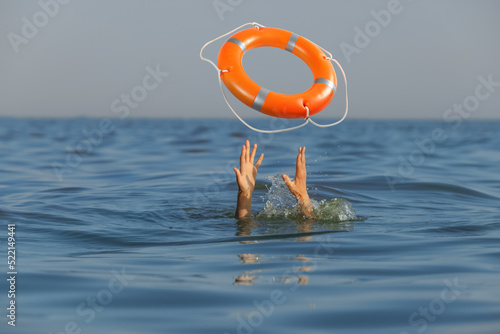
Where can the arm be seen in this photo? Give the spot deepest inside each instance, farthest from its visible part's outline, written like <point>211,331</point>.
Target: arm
<point>298,186</point>
<point>245,176</point>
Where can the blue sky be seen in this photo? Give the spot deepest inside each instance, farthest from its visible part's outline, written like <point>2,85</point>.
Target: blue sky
<point>83,58</point>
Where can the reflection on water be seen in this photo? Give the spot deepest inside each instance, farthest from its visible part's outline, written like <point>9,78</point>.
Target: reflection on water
<point>294,275</point>
<point>280,206</point>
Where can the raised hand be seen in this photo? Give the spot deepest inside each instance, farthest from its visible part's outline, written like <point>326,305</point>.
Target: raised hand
<point>245,176</point>
<point>298,186</point>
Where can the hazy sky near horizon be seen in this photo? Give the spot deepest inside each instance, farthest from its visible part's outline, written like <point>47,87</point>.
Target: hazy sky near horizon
<point>82,57</point>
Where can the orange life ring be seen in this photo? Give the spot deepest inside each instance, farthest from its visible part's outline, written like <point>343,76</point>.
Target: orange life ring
<point>316,98</point>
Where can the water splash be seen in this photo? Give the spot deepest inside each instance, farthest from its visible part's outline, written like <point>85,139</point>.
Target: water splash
<point>281,204</point>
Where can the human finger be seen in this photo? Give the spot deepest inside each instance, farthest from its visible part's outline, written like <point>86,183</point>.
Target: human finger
<point>259,161</point>
<point>237,172</point>
<point>247,152</point>
<point>297,163</point>
<point>242,156</point>
<point>289,183</point>
<point>252,155</point>
<point>287,180</point>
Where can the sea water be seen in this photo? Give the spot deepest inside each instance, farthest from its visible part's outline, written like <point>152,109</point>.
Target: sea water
<point>126,226</point>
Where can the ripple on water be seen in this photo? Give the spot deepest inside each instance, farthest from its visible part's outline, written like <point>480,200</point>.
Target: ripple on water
<point>445,187</point>
<point>153,200</point>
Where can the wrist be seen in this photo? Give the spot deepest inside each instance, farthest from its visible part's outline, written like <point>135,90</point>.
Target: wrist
<point>245,193</point>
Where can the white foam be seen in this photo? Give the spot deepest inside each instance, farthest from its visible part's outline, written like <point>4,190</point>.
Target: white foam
<point>280,203</point>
